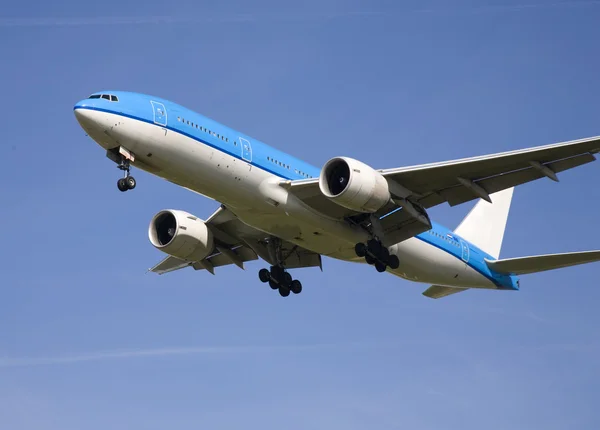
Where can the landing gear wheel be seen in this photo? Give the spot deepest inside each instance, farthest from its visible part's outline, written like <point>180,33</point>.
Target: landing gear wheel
<point>380,267</point>
<point>277,272</point>
<point>273,284</point>
<point>369,259</point>
<point>374,246</point>
<point>287,279</point>
<point>122,185</point>
<point>394,263</point>
<point>384,254</point>
<point>360,249</point>
<point>264,275</point>
<point>296,287</point>
<point>130,181</point>
<point>284,292</point>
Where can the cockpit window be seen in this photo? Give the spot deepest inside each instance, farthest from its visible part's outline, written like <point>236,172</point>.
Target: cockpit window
<point>108,97</point>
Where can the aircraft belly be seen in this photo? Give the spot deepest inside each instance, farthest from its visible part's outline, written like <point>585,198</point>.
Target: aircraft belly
<point>296,230</point>
<point>422,262</point>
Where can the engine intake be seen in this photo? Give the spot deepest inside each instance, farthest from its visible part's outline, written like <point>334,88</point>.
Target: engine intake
<point>181,235</point>
<point>354,185</point>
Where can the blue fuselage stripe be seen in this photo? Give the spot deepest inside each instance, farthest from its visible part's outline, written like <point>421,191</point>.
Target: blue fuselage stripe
<point>191,136</point>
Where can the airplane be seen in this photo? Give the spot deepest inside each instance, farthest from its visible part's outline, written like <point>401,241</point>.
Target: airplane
<point>290,214</point>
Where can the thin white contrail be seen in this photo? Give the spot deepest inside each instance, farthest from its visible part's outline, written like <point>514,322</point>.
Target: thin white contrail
<point>512,8</point>
<point>166,19</point>
<point>6,362</point>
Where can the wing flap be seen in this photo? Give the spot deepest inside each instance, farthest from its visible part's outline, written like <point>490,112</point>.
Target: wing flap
<point>541,263</point>
<point>401,225</point>
<point>439,291</point>
<point>300,257</point>
<point>219,259</point>
<point>170,264</point>
<point>459,194</point>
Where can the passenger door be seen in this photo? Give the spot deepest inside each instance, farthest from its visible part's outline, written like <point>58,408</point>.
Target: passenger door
<point>160,113</point>
<point>465,251</point>
<point>246,150</point>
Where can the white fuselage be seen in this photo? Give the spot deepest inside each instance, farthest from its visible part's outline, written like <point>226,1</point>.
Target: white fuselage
<point>254,196</point>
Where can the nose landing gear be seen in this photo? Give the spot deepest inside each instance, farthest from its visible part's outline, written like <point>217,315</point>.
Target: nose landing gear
<point>127,182</point>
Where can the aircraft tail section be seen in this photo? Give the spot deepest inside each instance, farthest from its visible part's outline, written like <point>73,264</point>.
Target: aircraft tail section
<point>541,263</point>
<point>484,226</point>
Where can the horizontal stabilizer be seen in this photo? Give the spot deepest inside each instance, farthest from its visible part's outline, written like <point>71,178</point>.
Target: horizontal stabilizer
<point>541,263</point>
<point>439,291</point>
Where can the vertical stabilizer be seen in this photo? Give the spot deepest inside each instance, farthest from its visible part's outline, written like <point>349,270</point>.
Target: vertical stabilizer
<point>484,225</point>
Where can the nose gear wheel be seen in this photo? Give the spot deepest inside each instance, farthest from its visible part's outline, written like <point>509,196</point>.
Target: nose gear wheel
<point>127,182</point>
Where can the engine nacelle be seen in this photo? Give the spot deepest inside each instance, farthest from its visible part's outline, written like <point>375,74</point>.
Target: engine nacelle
<point>354,185</point>
<point>181,235</point>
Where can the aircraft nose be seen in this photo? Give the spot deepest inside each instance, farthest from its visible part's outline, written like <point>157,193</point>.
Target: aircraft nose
<point>83,113</point>
<point>94,122</point>
<point>89,119</point>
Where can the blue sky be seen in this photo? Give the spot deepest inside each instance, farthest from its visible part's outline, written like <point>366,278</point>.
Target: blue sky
<point>88,340</point>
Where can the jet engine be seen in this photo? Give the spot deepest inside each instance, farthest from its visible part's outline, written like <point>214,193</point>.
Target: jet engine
<point>181,235</point>
<point>354,185</point>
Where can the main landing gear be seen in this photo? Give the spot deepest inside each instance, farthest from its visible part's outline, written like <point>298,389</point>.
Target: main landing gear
<point>375,253</point>
<point>127,182</point>
<point>279,279</point>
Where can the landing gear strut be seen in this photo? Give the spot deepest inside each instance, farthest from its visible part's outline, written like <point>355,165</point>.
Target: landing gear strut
<point>277,277</point>
<point>375,253</point>
<point>127,182</point>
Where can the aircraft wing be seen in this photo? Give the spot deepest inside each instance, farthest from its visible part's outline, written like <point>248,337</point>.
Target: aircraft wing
<point>459,181</point>
<point>237,243</point>
<point>462,180</point>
